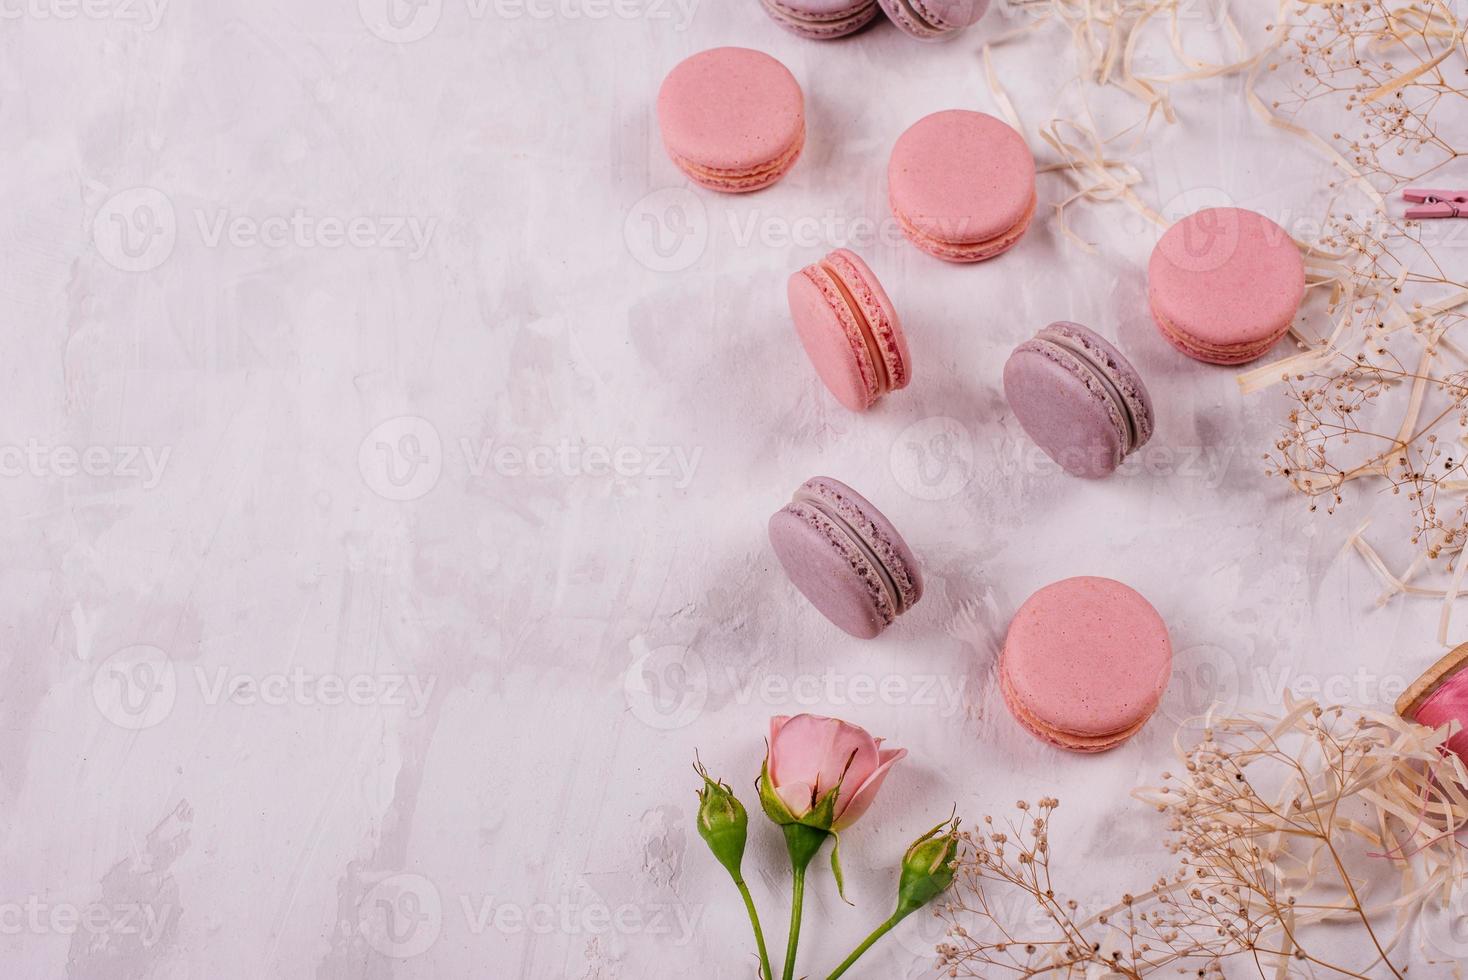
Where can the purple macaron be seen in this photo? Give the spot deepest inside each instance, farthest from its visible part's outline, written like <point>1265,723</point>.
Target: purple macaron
<point>932,19</point>
<point>845,557</point>
<point>1080,400</point>
<point>822,19</point>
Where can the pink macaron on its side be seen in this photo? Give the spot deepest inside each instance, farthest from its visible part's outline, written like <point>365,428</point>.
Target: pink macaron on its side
<point>934,19</point>
<point>845,557</point>
<point>733,119</point>
<point>822,20</point>
<point>850,329</point>
<point>1225,284</point>
<point>962,185</point>
<point>1085,663</point>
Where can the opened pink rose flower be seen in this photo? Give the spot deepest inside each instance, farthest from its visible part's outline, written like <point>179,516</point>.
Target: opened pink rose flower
<point>810,755</point>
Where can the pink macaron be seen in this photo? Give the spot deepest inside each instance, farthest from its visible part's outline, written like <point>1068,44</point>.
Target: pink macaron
<point>962,185</point>
<point>934,19</point>
<point>845,557</point>
<point>1085,663</point>
<point>822,20</point>
<point>732,119</point>
<point>850,329</point>
<point>1225,285</point>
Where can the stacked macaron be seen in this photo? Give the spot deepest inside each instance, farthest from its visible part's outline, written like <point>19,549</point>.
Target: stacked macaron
<point>845,557</point>
<point>733,119</point>
<point>850,329</point>
<point>1085,663</point>
<point>1225,285</point>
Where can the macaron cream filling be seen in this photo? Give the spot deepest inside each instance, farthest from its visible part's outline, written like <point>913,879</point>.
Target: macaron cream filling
<point>1109,388</point>
<point>889,584</point>
<point>863,325</point>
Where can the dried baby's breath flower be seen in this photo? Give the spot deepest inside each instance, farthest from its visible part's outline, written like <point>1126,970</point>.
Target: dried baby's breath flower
<point>1274,822</point>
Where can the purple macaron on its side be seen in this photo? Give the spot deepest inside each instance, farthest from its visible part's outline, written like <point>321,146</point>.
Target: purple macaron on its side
<point>1078,398</point>
<point>934,19</point>
<point>845,557</point>
<point>822,20</point>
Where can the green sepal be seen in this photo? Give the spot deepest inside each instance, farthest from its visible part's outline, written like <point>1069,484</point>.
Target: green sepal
<point>836,869</point>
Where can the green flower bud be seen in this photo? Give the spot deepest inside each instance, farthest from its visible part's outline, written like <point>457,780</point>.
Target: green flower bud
<point>928,867</point>
<point>722,821</point>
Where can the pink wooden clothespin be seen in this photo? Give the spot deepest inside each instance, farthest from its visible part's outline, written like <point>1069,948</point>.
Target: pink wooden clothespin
<point>1437,204</point>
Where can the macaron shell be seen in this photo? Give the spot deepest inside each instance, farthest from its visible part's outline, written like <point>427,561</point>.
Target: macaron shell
<point>1240,354</point>
<point>1225,284</point>
<point>1087,657</point>
<point>832,339</point>
<point>974,252</point>
<point>1061,740</point>
<point>1120,370</point>
<point>834,578</point>
<point>1053,399</point>
<point>1070,414</point>
<point>878,532</point>
<point>934,19</point>
<point>962,178</point>
<point>742,182</point>
<point>881,316</point>
<point>822,19</point>
<point>732,111</point>
<point>951,14</point>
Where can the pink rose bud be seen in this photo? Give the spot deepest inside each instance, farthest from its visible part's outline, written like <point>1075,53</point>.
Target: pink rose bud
<point>822,772</point>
